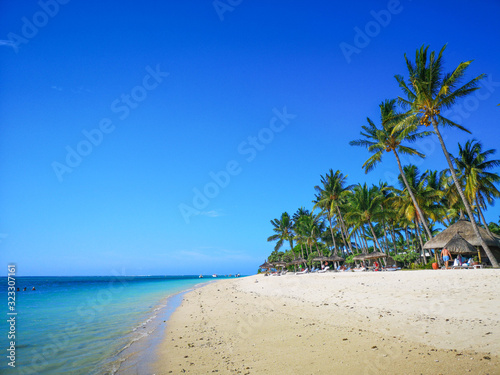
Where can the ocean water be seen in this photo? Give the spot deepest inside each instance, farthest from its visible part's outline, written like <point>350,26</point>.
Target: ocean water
<point>87,325</point>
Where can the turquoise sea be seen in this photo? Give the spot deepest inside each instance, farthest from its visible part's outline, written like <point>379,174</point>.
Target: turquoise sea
<point>88,325</point>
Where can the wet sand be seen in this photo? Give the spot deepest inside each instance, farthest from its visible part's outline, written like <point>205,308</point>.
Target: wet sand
<point>404,322</point>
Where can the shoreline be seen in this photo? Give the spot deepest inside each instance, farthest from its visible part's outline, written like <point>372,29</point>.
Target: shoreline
<point>394,322</point>
<point>136,357</point>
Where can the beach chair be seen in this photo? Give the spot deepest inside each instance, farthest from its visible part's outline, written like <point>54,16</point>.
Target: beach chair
<point>324,269</point>
<point>361,269</point>
<point>390,269</point>
<point>302,272</point>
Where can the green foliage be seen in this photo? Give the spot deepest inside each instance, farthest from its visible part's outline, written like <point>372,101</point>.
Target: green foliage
<point>407,258</point>
<point>417,266</point>
<point>349,259</point>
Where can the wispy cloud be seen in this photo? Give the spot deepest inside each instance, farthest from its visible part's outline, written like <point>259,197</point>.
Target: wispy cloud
<point>211,213</point>
<point>58,88</point>
<point>79,89</point>
<point>9,43</point>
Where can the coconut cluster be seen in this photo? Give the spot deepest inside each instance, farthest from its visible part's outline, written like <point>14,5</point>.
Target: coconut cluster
<point>427,114</point>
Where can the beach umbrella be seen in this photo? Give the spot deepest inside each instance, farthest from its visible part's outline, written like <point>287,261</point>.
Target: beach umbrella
<point>297,261</point>
<point>321,259</point>
<point>334,258</point>
<point>279,264</point>
<point>458,245</point>
<point>266,265</point>
<point>375,255</point>
<point>359,257</point>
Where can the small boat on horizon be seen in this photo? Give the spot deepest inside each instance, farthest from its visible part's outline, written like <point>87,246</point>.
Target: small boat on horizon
<point>214,275</point>
<point>200,277</point>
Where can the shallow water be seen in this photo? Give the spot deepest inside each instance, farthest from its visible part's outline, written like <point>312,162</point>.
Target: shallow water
<point>86,325</point>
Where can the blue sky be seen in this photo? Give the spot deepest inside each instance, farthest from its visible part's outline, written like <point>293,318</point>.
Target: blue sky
<point>114,115</point>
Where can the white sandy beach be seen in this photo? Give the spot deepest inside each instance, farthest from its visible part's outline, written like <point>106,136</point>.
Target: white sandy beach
<point>404,322</point>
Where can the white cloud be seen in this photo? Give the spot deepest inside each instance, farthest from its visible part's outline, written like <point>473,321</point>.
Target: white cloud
<point>212,213</point>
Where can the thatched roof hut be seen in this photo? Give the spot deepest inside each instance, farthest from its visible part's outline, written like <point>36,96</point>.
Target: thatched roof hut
<point>457,245</point>
<point>464,228</point>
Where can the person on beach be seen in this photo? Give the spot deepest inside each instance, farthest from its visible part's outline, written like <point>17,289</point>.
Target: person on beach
<point>446,256</point>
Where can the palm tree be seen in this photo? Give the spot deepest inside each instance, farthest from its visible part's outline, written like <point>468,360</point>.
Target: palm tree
<point>385,138</point>
<point>438,181</point>
<point>494,227</point>
<point>366,206</point>
<point>309,229</point>
<point>427,198</point>
<point>472,165</point>
<point>283,229</point>
<point>428,90</point>
<point>328,199</point>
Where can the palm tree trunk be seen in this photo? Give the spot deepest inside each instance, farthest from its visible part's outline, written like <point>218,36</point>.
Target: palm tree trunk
<point>417,231</point>
<point>393,239</point>
<point>317,250</point>
<point>343,228</point>
<point>464,200</point>
<point>361,246</point>
<point>482,217</point>
<point>407,237</point>
<point>420,213</point>
<point>333,237</point>
<point>363,238</point>
<point>386,242</point>
<point>374,236</point>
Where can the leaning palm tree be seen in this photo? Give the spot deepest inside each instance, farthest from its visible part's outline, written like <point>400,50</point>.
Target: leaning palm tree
<point>378,140</point>
<point>283,229</point>
<point>473,166</point>
<point>428,90</point>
